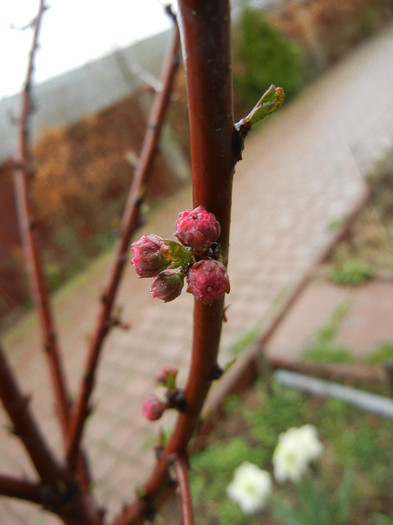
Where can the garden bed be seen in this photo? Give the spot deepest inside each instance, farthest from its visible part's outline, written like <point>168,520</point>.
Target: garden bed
<point>351,481</point>
<point>355,444</point>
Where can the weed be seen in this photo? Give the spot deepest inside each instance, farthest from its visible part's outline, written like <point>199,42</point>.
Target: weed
<point>381,354</point>
<point>336,224</point>
<point>322,349</point>
<point>243,340</point>
<point>351,272</point>
<point>327,353</point>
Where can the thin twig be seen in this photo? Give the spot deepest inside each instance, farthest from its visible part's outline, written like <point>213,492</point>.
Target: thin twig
<point>183,486</point>
<point>22,182</point>
<point>129,224</point>
<point>21,489</point>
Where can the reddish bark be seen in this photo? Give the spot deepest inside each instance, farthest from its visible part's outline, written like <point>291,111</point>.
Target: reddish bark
<point>21,489</point>
<point>23,173</point>
<point>17,407</point>
<point>205,29</point>
<point>129,224</point>
<point>59,492</point>
<point>181,469</point>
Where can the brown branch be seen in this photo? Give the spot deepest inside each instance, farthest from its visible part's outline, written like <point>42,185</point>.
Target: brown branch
<point>183,486</point>
<point>129,224</point>
<point>17,408</point>
<point>22,177</point>
<point>21,489</point>
<point>206,46</point>
<point>61,493</point>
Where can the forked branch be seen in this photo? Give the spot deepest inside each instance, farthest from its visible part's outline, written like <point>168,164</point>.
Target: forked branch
<point>25,426</point>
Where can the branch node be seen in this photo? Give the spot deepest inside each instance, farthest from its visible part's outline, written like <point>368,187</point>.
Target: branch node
<point>150,513</point>
<point>176,399</point>
<point>216,373</point>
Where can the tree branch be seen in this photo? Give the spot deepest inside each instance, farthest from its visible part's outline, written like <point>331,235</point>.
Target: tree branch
<point>129,224</point>
<point>22,176</point>
<point>21,489</point>
<point>206,48</point>
<point>61,492</point>
<point>181,468</point>
<point>17,407</point>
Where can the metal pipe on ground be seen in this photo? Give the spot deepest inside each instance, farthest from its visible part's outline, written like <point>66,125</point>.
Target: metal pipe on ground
<point>382,406</point>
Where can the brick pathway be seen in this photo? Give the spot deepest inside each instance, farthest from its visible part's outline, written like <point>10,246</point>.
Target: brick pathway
<point>301,172</point>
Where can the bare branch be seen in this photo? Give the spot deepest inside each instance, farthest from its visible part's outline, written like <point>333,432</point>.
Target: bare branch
<point>21,489</point>
<point>17,407</point>
<point>181,469</point>
<point>206,46</point>
<point>61,493</point>
<point>129,224</point>
<point>22,182</point>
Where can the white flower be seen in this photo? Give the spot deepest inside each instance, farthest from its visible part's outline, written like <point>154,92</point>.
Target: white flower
<point>295,450</point>
<point>250,487</point>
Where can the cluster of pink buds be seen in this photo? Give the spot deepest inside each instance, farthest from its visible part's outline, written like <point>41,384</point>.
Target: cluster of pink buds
<point>169,262</point>
<point>153,407</point>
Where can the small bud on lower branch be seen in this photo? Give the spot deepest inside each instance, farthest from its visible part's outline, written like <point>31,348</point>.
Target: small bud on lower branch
<point>166,377</point>
<point>153,408</point>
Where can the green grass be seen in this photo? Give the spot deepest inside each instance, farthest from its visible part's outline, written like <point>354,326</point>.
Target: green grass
<point>243,340</point>
<point>351,272</point>
<point>381,355</point>
<point>323,349</point>
<point>326,353</point>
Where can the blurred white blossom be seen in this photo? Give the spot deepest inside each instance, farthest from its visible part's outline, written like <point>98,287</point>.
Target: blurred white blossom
<point>250,487</point>
<point>295,450</point>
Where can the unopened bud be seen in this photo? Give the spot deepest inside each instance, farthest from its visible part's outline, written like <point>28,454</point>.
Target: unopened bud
<point>167,285</point>
<point>197,229</point>
<point>208,280</point>
<point>148,259</point>
<point>167,377</point>
<point>153,408</point>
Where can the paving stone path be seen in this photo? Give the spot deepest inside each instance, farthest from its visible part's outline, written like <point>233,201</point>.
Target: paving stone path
<point>302,171</point>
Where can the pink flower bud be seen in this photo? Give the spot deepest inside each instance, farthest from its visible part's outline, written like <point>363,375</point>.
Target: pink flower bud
<point>208,280</point>
<point>148,259</point>
<point>167,285</point>
<point>153,408</point>
<point>197,229</point>
<point>167,377</point>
